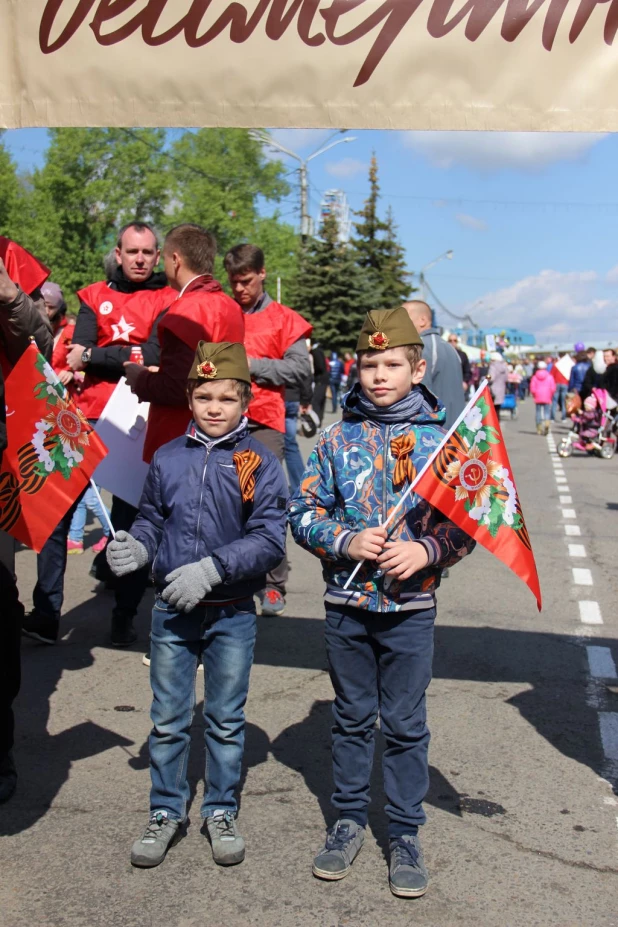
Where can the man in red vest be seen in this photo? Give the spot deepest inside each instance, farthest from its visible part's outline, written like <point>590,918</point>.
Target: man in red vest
<point>114,316</point>
<point>21,318</point>
<point>278,358</point>
<point>201,312</point>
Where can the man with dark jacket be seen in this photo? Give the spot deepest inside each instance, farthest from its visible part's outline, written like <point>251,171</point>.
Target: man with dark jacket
<point>114,316</point>
<point>465,362</point>
<point>275,339</point>
<point>444,374</point>
<point>21,318</point>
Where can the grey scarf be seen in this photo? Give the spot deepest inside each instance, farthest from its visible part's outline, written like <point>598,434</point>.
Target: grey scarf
<point>403,411</point>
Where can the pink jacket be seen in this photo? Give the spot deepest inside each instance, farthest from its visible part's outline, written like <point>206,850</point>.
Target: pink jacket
<point>543,386</point>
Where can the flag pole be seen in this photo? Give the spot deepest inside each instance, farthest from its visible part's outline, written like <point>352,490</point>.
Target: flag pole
<point>416,479</point>
<point>103,508</point>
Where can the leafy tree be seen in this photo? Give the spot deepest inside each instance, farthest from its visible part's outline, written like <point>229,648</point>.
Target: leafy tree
<point>9,189</point>
<point>331,291</point>
<point>92,182</point>
<point>377,249</point>
<point>217,177</point>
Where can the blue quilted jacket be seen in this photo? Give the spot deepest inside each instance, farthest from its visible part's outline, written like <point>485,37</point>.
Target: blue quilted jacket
<point>348,486</point>
<point>192,508</point>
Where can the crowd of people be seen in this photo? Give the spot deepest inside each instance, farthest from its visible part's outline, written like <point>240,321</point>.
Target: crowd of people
<point>228,378</point>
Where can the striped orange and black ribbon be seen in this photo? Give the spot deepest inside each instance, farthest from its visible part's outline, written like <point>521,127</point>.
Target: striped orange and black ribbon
<point>246,463</point>
<point>401,449</point>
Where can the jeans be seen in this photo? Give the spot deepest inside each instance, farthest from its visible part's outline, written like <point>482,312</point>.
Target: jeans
<point>380,662</point>
<point>542,412</point>
<point>51,565</point>
<point>224,637</point>
<point>559,401</point>
<point>89,502</point>
<point>334,393</point>
<point>293,459</point>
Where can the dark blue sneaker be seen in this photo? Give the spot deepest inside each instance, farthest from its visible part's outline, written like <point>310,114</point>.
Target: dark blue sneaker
<point>408,876</point>
<point>342,846</point>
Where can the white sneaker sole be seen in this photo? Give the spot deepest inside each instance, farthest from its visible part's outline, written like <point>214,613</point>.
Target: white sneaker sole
<point>407,892</point>
<point>329,876</point>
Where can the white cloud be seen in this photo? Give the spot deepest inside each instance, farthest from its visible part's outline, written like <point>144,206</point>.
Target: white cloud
<point>553,305</point>
<point>471,222</point>
<point>299,139</point>
<point>612,275</point>
<point>347,167</point>
<point>493,151</point>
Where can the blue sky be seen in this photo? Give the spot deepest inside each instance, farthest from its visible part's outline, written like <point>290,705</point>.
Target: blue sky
<point>531,218</point>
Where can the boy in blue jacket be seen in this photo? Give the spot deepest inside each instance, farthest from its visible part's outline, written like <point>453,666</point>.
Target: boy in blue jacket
<point>379,632</point>
<point>211,524</point>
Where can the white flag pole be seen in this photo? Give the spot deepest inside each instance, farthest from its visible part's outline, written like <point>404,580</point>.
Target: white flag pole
<point>430,461</point>
<point>103,509</point>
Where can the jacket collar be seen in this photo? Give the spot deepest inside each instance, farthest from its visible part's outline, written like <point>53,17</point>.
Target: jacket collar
<point>232,437</point>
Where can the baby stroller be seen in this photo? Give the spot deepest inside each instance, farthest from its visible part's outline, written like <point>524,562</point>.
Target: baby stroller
<point>594,429</point>
<point>510,403</point>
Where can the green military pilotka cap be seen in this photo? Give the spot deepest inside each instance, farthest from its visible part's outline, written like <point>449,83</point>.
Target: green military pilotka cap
<point>387,328</point>
<point>223,361</point>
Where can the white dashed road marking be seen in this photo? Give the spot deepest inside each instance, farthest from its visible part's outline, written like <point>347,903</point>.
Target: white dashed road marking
<point>572,531</point>
<point>590,612</point>
<point>601,662</point>
<point>582,577</point>
<point>577,550</point>
<point>568,513</point>
<point>608,723</point>
<point>565,500</point>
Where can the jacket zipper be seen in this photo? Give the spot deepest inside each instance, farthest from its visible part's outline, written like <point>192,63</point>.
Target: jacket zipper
<point>199,511</point>
<point>384,510</point>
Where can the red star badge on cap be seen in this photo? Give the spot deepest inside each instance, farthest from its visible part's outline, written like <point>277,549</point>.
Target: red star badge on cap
<point>207,370</point>
<point>379,341</point>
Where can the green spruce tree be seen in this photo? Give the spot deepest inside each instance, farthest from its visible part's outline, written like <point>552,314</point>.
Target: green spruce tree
<point>378,250</point>
<point>9,191</point>
<point>331,290</point>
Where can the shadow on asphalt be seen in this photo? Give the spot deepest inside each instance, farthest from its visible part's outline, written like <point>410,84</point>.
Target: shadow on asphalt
<point>551,669</point>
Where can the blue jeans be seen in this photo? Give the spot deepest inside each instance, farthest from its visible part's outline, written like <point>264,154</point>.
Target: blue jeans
<point>88,501</point>
<point>224,637</point>
<point>335,386</point>
<point>293,459</point>
<point>543,410</point>
<point>559,400</point>
<point>380,662</point>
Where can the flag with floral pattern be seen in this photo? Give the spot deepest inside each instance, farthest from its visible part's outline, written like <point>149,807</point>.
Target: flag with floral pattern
<point>470,480</point>
<point>52,451</point>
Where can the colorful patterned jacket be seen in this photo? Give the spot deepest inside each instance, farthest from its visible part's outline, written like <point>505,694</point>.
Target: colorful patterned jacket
<point>348,485</point>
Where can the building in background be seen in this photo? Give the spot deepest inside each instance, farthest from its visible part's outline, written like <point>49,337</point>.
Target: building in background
<point>335,202</point>
<point>513,336</point>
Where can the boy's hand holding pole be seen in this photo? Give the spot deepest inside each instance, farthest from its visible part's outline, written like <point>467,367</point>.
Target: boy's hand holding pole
<point>125,554</point>
<point>397,558</point>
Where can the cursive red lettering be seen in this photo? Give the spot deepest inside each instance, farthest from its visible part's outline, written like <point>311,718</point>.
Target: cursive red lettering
<point>235,15</point>
<point>279,18</point>
<point>395,14</point>
<point>110,9</point>
<point>47,21</point>
<point>584,13</point>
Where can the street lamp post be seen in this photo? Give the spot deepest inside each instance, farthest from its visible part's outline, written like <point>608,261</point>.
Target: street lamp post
<point>448,255</point>
<point>266,139</point>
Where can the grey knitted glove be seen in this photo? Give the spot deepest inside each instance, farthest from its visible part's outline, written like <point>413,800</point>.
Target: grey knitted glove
<point>125,554</point>
<point>190,583</point>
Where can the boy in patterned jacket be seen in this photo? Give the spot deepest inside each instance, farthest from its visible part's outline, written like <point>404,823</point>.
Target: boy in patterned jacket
<point>379,632</point>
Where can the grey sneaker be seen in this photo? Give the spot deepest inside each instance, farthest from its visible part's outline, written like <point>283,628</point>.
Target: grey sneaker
<point>159,836</point>
<point>272,602</point>
<point>342,846</point>
<point>228,847</point>
<point>407,874</point>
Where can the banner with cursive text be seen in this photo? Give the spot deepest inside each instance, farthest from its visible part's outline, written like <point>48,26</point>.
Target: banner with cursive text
<point>413,64</point>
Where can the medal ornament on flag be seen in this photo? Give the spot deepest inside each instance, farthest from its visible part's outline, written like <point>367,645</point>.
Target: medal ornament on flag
<point>52,452</point>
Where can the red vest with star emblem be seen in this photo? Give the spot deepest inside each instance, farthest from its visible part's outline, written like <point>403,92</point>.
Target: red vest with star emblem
<point>268,334</point>
<point>123,319</point>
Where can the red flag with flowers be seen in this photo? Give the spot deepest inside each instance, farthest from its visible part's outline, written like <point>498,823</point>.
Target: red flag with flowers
<point>470,480</point>
<point>52,452</point>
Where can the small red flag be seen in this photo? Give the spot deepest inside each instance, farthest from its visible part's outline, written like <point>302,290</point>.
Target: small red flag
<point>470,480</point>
<point>22,267</point>
<point>52,452</point>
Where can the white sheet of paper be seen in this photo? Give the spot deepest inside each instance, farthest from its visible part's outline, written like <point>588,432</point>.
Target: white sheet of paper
<point>122,426</point>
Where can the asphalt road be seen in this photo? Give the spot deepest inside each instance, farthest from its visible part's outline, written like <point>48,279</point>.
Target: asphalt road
<point>522,810</point>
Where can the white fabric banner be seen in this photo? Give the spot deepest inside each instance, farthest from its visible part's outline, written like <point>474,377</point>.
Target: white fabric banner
<point>405,64</point>
<point>122,428</point>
